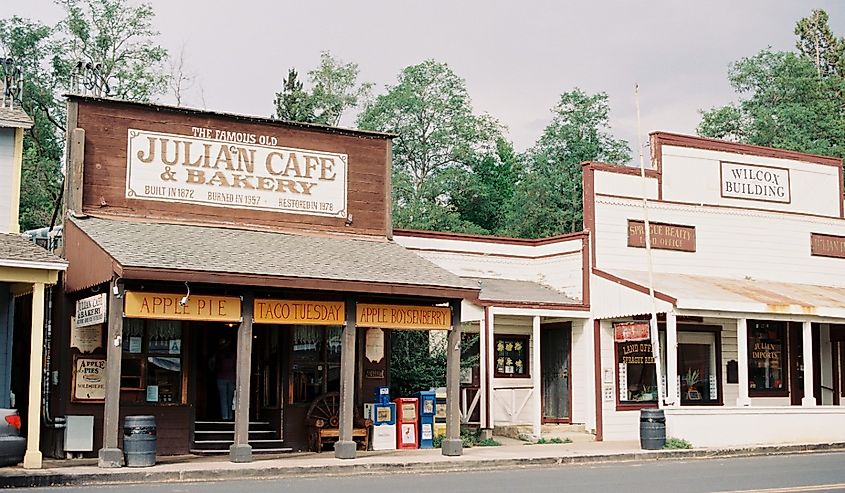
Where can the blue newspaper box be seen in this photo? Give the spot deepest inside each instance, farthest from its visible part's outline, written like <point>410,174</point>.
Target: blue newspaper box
<point>382,395</point>
<point>428,407</point>
<point>383,436</point>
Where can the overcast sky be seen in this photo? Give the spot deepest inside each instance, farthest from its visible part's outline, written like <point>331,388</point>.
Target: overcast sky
<point>516,56</point>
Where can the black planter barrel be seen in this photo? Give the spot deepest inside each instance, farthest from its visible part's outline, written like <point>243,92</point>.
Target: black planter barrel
<point>139,440</point>
<point>652,429</point>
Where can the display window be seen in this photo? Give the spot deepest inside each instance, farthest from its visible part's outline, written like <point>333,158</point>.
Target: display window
<point>767,369</point>
<point>315,361</point>
<point>151,364</point>
<point>511,356</point>
<point>636,372</point>
<point>698,368</point>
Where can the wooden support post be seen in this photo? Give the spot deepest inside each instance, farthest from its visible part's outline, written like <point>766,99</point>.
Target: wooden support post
<point>452,443</point>
<point>809,399</point>
<point>742,398</point>
<point>536,382</point>
<point>110,455</point>
<point>240,450</point>
<point>345,447</point>
<point>32,458</point>
<point>672,397</point>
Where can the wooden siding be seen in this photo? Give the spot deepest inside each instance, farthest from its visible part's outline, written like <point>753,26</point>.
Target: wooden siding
<point>106,125</point>
<point>7,166</point>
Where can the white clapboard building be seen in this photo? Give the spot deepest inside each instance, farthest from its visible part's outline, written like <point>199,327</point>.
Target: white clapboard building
<point>748,274</point>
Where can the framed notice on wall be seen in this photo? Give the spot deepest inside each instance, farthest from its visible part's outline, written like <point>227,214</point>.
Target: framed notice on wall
<point>89,379</point>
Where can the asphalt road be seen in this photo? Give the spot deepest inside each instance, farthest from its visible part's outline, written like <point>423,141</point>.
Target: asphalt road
<point>773,474</point>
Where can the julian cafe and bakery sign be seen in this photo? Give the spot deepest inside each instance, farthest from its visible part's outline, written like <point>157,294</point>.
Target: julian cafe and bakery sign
<point>235,169</point>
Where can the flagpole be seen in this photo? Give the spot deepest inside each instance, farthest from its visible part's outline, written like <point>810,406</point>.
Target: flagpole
<point>655,337</point>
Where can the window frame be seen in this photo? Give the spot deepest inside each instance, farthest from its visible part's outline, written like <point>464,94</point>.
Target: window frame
<point>785,360</point>
<point>525,339</point>
<point>716,330</point>
<point>137,395</point>
<point>323,360</point>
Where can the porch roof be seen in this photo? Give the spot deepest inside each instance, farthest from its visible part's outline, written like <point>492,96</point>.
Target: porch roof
<point>515,291</point>
<point>753,296</point>
<point>209,254</point>
<point>16,251</point>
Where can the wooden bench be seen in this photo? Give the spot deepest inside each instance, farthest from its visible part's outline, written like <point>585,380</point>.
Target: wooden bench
<point>323,419</point>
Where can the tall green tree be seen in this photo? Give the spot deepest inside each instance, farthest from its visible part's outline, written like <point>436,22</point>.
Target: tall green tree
<point>431,112</point>
<point>548,199</point>
<point>294,103</point>
<point>112,33</point>
<point>787,100</point>
<point>817,43</point>
<point>335,89</point>
<point>121,39</point>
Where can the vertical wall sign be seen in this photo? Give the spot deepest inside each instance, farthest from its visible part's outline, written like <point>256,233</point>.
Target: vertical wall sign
<point>755,182</point>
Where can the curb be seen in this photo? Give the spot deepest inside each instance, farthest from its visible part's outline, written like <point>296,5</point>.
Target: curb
<point>127,476</point>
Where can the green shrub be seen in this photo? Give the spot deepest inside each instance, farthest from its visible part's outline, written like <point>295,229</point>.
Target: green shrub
<point>543,441</point>
<point>677,443</point>
<point>488,442</point>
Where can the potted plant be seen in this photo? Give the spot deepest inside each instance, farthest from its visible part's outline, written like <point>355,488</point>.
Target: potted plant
<point>647,393</point>
<point>691,378</point>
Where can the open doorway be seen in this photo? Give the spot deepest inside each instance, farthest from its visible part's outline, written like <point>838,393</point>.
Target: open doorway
<point>555,350</point>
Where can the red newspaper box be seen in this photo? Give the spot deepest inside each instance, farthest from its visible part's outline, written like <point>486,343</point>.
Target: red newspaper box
<point>407,422</point>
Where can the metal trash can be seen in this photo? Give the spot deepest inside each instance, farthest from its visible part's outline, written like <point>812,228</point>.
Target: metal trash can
<point>139,441</point>
<point>652,429</point>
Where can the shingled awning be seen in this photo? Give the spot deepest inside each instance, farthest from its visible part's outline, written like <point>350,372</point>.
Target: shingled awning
<point>18,252</point>
<point>97,248</point>
<point>14,118</point>
<point>523,292</point>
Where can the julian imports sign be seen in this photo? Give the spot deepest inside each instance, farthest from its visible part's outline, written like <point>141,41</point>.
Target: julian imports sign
<point>822,245</point>
<point>754,182</point>
<point>234,169</point>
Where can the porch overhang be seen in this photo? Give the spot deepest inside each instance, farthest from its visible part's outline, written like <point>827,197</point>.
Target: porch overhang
<point>99,249</point>
<point>695,294</point>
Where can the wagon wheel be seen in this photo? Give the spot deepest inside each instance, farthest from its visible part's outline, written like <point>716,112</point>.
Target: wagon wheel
<point>325,411</point>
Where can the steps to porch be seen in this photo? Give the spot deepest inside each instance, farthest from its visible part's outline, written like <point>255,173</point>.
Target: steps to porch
<point>215,437</point>
<point>549,431</point>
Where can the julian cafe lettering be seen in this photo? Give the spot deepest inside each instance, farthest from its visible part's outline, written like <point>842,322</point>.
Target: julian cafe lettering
<point>746,181</point>
<point>181,168</point>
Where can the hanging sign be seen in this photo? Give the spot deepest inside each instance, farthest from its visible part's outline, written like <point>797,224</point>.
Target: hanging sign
<point>631,331</point>
<point>299,312</point>
<point>374,347</point>
<point>404,317</point>
<point>91,310</point>
<point>165,306</point>
<point>89,379</point>
<point>85,339</point>
<point>755,182</point>
<point>234,169</point>
<point>663,236</point>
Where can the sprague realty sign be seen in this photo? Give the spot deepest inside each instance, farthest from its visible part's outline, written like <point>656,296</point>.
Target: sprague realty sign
<point>234,169</point>
<point>755,182</point>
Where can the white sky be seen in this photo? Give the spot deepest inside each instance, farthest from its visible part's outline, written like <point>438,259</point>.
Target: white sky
<point>516,56</point>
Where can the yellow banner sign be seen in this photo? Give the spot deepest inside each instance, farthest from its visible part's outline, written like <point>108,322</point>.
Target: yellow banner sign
<point>168,307</point>
<point>299,312</point>
<point>404,317</point>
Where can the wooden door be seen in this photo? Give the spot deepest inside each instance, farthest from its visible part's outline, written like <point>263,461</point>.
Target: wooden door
<point>555,350</point>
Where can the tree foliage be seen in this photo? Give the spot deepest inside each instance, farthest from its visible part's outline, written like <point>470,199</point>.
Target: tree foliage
<point>787,100</point>
<point>437,135</point>
<point>111,33</point>
<point>547,200</point>
<point>335,89</point>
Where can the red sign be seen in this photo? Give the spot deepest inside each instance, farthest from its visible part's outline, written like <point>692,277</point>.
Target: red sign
<point>631,331</point>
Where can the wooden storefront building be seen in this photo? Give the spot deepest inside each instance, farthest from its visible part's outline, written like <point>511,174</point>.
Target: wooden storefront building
<point>201,231</point>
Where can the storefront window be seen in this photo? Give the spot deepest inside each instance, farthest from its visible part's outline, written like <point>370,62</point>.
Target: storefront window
<point>152,360</point>
<point>512,356</point>
<point>637,375</point>
<point>767,357</point>
<point>315,361</point>
<point>697,368</point>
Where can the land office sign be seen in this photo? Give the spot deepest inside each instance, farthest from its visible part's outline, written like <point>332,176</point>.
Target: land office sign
<point>753,182</point>
<point>234,169</point>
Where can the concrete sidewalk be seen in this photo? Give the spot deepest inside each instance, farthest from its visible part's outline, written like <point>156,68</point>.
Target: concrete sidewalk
<point>195,469</point>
